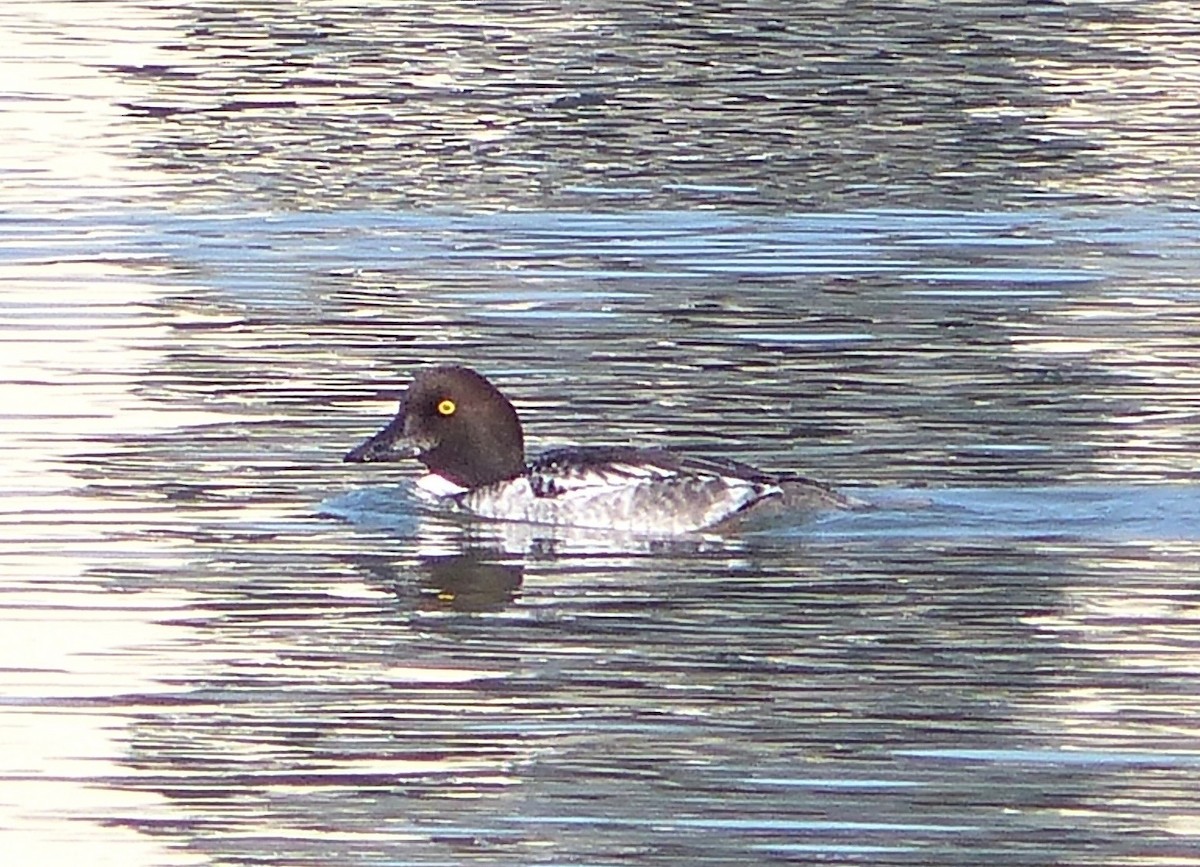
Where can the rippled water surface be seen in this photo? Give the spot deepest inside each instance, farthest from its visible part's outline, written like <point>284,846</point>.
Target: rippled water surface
<point>942,256</point>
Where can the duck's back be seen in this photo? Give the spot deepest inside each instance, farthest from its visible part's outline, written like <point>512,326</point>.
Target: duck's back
<point>643,491</point>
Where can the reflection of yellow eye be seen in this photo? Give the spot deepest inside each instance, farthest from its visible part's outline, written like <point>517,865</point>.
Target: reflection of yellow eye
<point>447,407</point>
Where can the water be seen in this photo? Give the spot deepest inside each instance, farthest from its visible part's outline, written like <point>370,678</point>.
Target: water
<point>944,258</point>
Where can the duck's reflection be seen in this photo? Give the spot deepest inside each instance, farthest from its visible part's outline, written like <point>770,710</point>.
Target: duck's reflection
<point>452,562</point>
<point>474,580</point>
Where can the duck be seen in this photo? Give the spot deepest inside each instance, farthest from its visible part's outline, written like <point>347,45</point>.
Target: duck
<point>469,437</point>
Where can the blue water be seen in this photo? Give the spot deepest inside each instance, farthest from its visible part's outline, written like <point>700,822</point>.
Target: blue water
<point>943,257</point>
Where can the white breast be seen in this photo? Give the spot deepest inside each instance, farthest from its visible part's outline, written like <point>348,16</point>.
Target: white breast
<point>439,486</point>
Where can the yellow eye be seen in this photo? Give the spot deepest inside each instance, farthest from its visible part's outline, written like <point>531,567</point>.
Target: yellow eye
<point>447,407</point>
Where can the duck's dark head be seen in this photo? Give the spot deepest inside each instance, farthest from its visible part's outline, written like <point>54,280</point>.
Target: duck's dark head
<point>456,423</point>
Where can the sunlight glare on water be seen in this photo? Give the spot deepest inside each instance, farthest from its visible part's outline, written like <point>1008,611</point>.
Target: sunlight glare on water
<point>943,257</point>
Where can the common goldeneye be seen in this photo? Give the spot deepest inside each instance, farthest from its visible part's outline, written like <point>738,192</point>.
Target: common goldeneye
<point>469,437</point>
